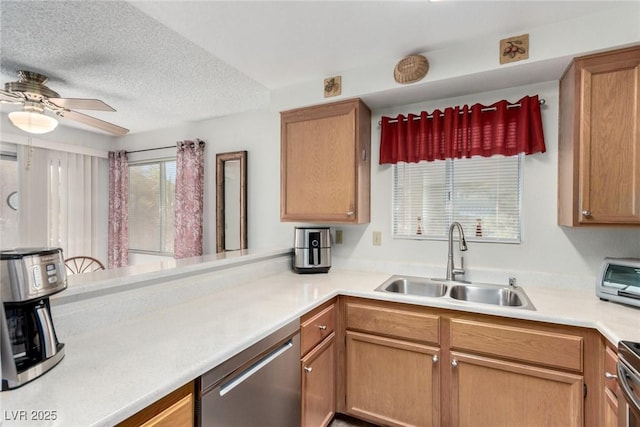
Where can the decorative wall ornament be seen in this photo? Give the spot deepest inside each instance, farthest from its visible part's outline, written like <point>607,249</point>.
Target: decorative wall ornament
<point>332,86</point>
<point>411,69</point>
<point>514,49</point>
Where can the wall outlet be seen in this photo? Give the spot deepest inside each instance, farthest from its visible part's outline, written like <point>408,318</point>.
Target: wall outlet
<point>377,238</point>
<point>338,237</point>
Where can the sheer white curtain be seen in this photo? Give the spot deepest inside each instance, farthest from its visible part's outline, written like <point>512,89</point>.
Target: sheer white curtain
<point>64,198</point>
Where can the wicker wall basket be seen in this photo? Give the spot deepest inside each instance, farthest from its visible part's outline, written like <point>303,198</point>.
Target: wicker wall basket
<point>411,69</point>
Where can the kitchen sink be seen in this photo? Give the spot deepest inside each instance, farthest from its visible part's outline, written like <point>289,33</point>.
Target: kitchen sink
<point>487,294</point>
<point>472,293</point>
<point>413,286</point>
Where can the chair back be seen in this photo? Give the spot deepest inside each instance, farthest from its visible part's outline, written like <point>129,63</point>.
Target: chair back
<point>82,264</point>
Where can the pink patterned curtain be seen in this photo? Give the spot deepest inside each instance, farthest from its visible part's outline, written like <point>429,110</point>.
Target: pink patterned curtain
<point>189,195</point>
<point>118,209</point>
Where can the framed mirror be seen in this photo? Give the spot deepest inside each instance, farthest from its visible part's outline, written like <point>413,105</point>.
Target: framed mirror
<point>231,201</point>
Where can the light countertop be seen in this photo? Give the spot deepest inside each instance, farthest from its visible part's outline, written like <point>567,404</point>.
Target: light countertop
<point>120,366</point>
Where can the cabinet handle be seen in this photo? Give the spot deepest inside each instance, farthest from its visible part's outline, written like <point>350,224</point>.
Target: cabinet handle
<point>435,358</point>
<point>308,369</point>
<point>322,327</point>
<point>454,363</point>
<point>350,213</point>
<point>364,155</point>
<point>610,376</point>
<point>586,212</point>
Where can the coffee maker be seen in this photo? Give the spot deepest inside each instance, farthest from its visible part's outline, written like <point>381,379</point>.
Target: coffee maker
<point>29,346</point>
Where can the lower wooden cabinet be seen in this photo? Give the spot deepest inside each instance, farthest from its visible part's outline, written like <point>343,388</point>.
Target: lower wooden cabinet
<point>318,365</point>
<point>174,410</point>
<point>318,384</point>
<point>462,369</point>
<point>392,382</point>
<point>492,392</point>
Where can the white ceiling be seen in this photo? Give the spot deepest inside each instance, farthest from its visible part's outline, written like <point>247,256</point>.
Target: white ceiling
<point>164,63</point>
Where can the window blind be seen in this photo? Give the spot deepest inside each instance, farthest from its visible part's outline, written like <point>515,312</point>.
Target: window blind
<point>482,193</point>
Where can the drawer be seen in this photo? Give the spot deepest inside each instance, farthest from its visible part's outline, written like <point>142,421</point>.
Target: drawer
<point>316,326</point>
<point>530,345</point>
<point>393,320</point>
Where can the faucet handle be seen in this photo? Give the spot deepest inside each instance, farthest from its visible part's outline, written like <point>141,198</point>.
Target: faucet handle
<point>512,282</point>
<point>459,270</point>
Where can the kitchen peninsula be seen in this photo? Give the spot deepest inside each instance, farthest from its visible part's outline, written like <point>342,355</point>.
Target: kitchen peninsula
<point>132,340</point>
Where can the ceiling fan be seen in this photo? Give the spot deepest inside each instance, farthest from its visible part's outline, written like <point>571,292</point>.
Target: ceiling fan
<point>30,92</point>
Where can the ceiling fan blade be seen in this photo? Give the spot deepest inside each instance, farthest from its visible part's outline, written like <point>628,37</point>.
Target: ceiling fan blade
<point>92,121</point>
<point>80,104</point>
<point>12,95</point>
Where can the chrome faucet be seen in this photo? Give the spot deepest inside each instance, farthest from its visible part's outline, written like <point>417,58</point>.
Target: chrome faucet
<point>452,271</point>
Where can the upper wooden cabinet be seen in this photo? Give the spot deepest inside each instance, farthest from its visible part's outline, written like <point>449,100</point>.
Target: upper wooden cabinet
<point>325,169</point>
<point>599,140</point>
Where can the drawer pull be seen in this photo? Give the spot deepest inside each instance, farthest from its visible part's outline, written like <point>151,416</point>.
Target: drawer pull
<point>322,327</point>
<point>454,363</point>
<point>610,376</point>
<point>308,369</point>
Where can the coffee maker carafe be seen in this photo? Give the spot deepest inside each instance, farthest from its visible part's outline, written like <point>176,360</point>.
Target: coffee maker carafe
<point>29,346</point>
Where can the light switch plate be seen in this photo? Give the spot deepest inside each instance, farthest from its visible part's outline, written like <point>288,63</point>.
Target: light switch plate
<point>377,238</point>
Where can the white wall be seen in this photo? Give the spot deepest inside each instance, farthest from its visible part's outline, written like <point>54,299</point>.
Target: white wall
<point>547,251</point>
<point>546,248</point>
<point>258,133</point>
<point>472,67</point>
<point>72,140</point>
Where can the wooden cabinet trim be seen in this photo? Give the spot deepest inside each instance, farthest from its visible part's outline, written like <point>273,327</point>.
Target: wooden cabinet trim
<point>516,367</point>
<point>599,140</point>
<point>178,414</point>
<point>378,369</point>
<point>393,320</point>
<point>313,405</point>
<point>545,348</point>
<point>472,380</point>
<point>346,198</point>
<point>316,326</point>
<point>174,401</point>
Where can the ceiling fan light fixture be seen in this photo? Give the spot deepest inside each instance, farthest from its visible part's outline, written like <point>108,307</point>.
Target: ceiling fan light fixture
<point>33,122</point>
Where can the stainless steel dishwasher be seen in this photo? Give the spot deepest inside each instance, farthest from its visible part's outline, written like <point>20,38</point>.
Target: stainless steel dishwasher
<point>258,387</point>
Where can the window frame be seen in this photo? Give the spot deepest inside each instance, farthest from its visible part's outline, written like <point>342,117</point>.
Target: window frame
<point>162,185</point>
<point>450,214</point>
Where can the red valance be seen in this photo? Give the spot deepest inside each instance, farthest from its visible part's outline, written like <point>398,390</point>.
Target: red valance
<point>465,131</point>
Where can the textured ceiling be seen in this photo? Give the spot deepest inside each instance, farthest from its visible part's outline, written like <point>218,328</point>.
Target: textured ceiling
<point>164,63</point>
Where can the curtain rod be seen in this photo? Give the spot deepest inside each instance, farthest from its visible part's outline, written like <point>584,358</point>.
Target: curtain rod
<point>150,149</point>
<point>430,116</point>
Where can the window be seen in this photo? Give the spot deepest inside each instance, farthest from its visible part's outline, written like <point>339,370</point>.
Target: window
<point>9,201</point>
<point>151,199</point>
<point>481,193</point>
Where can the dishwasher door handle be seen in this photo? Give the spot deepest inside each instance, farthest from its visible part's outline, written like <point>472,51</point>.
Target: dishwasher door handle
<point>238,379</point>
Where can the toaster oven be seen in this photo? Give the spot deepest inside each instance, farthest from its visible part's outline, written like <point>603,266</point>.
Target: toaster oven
<point>619,281</point>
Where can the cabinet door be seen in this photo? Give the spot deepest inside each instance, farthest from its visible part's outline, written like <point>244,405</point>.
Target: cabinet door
<point>178,414</point>
<point>325,165</point>
<point>490,392</point>
<point>392,382</point>
<point>610,133</point>
<point>318,384</point>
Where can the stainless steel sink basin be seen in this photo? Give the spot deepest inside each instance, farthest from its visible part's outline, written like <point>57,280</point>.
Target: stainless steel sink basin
<point>472,293</point>
<point>486,294</point>
<point>409,285</point>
